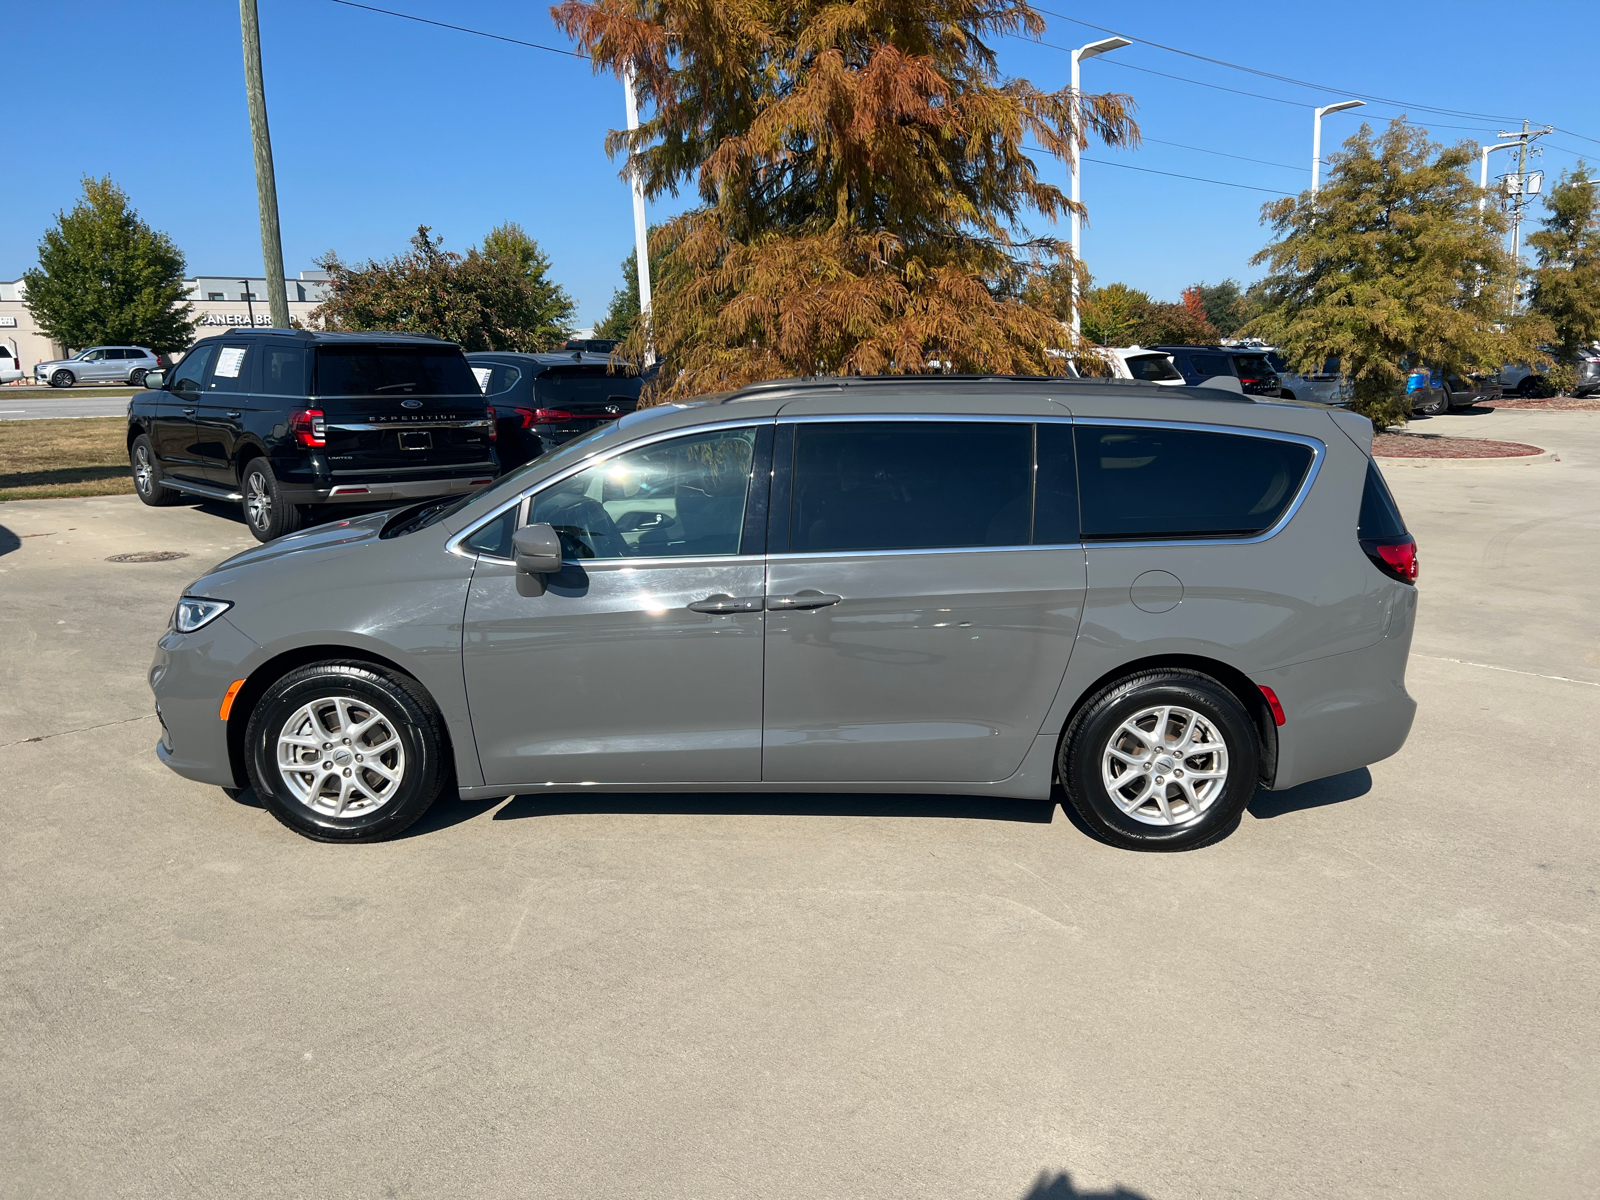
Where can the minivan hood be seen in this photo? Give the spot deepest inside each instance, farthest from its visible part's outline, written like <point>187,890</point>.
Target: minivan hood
<point>321,541</point>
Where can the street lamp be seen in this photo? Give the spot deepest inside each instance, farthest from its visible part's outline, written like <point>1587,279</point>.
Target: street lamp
<point>641,230</point>
<point>1078,55</point>
<point>248,307</point>
<point>1483,170</point>
<point>1316,135</point>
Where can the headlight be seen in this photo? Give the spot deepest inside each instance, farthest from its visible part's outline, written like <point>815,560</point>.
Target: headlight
<point>193,613</point>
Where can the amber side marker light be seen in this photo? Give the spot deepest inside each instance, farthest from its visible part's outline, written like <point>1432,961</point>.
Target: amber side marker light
<point>1272,703</point>
<point>233,690</point>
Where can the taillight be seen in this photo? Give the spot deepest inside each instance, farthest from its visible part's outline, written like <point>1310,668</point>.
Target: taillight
<point>494,428</point>
<point>309,426</point>
<point>541,416</point>
<point>1395,557</point>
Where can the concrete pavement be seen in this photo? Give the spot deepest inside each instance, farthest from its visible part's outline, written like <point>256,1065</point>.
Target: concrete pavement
<point>1380,985</point>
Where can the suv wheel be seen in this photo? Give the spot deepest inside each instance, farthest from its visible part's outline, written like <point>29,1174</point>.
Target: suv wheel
<point>1530,387</point>
<point>1434,407</point>
<point>1162,760</point>
<point>266,512</point>
<point>347,751</point>
<point>62,378</point>
<point>136,376</point>
<point>147,475</point>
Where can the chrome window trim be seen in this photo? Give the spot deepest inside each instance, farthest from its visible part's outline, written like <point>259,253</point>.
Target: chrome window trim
<point>1318,448</point>
<point>456,544</point>
<point>984,418</point>
<point>789,556</point>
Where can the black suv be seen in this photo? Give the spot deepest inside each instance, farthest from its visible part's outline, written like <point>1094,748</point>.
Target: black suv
<point>286,421</point>
<point>542,400</point>
<point>1254,372</point>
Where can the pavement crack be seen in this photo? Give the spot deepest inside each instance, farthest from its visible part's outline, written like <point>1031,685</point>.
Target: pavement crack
<point>1509,670</point>
<point>64,732</point>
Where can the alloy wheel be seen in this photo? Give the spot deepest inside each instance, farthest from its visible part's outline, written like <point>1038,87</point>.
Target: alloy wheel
<point>144,471</point>
<point>1165,765</point>
<point>341,757</point>
<point>257,500</point>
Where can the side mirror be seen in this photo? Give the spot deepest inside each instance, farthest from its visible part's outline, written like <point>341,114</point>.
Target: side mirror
<point>155,380</point>
<point>537,550</point>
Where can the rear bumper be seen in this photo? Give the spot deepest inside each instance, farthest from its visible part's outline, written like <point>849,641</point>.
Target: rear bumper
<point>384,492</point>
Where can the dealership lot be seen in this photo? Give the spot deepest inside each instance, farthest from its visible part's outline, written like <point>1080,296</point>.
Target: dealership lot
<point>1380,985</point>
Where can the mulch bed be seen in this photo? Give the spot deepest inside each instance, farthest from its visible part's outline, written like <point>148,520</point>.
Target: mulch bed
<point>1548,403</point>
<point>1417,445</point>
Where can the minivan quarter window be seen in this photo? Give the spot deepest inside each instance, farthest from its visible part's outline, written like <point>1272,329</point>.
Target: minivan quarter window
<point>1138,482</point>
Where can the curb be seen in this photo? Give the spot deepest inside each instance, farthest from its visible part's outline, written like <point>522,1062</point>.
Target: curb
<point>1516,460</point>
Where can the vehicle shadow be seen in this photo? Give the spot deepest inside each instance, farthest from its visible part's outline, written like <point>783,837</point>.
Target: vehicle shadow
<point>777,804</point>
<point>9,541</point>
<point>1471,410</point>
<point>1061,1187</point>
<point>1336,789</point>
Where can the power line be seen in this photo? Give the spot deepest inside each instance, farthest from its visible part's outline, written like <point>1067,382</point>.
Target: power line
<point>462,29</point>
<point>1223,154</point>
<point>1106,162</point>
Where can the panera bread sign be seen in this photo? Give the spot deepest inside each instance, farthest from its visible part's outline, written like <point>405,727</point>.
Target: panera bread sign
<point>234,319</point>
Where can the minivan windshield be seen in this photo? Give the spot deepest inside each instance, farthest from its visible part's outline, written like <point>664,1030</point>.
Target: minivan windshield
<point>393,370</point>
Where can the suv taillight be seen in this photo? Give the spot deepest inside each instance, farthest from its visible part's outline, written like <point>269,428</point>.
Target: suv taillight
<point>494,426</point>
<point>541,416</point>
<point>309,426</point>
<point>1395,557</point>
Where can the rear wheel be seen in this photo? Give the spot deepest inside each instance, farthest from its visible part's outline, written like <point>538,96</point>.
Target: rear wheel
<point>147,475</point>
<point>347,751</point>
<point>1161,760</point>
<point>62,378</point>
<point>1435,405</point>
<point>1530,387</point>
<point>266,512</point>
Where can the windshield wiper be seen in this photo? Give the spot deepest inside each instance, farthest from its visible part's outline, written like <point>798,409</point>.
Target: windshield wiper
<point>389,387</point>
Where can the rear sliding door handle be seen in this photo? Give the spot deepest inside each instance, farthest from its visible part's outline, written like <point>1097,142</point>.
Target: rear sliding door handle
<point>806,599</point>
<point>727,604</point>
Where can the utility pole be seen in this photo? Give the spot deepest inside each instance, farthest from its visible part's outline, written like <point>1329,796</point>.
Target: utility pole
<point>641,229</point>
<point>266,182</point>
<point>1517,193</point>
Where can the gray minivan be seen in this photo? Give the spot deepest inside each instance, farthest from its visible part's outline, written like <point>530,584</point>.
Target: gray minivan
<point>1160,598</point>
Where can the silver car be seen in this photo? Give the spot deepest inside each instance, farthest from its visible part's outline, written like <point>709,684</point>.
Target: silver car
<point>100,364</point>
<point>1160,599</point>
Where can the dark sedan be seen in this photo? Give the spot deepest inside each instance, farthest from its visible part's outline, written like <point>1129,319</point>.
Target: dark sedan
<point>542,400</point>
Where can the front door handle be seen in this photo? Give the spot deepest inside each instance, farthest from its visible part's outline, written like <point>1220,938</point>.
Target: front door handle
<point>727,604</point>
<point>188,412</point>
<point>235,415</point>
<point>805,599</point>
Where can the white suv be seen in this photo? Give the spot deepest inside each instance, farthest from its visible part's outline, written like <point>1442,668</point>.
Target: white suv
<point>10,364</point>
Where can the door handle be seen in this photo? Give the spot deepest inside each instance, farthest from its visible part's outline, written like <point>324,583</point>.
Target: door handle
<point>805,599</point>
<point>727,604</point>
<point>235,414</point>
<point>188,412</point>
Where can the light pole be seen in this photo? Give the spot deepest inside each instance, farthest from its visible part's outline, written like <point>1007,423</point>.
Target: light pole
<point>1078,55</point>
<point>248,307</point>
<point>1316,135</point>
<point>1483,170</point>
<point>641,229</point>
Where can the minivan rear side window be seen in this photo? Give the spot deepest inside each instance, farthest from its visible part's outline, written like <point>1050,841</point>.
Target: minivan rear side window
<point>1139,482</point>
<point>910,485</point>
<point>393,370</point>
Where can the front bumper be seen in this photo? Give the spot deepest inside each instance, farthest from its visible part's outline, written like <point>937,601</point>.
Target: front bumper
<point>189,676</point>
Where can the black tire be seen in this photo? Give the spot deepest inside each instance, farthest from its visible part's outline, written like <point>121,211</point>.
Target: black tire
<point>266,512</point>
<point>1530,387</point>
<point>147,475</point>
<point>62,378</point>
<point>136,376</point>
<point>1285,394</point>
<point>1432,408</point>
<point>374,808</point>
<point>1090,739</point>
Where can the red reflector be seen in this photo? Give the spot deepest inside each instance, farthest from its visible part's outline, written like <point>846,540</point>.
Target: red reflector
<point>1272,703</point>
<point>481,482</point>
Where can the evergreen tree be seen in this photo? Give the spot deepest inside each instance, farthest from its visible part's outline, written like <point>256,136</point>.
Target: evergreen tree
<point>106,276</point>
<point>1391,263</point>
<point>496,297</point>
<point>1566,284</point>
<point>862,182</point>
<point>1224,304</point>
<point>623,313</point>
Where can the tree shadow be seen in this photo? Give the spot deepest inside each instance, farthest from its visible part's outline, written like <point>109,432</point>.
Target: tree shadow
<point>778,804</point>
<point>9,541</point>
<point>1336,789</point>
<point>1061,1187</point>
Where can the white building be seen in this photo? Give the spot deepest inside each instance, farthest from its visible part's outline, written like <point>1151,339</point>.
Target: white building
<point>219,300</point>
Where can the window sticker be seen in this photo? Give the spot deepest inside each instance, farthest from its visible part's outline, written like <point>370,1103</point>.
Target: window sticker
<point>230,361</point>
<point>481,374</point>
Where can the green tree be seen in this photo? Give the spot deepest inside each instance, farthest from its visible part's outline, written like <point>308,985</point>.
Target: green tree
<point>862,182</point>
<point>1566,283</point>
<point>1390,263</point>
<point>495,297</point>
<point>106,276</point>
<point>1224,304</point>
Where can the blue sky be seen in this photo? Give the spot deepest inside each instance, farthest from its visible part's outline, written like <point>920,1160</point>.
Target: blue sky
<point>380,124</point>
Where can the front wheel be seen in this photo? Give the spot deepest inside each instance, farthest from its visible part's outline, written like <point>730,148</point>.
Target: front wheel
<point>62,378</point>
<point>266,512</point>
<point>147,475</point>
<point>1530,387</point>
<point>347,751</point>
<point>136,377</point>
<point>1161,760</point>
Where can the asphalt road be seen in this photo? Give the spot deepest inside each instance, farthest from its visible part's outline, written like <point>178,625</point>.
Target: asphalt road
<point>28,404</point>
<point>1381,985</point>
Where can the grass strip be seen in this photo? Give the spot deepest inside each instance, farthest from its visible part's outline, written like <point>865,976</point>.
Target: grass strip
<point>69,456</point>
